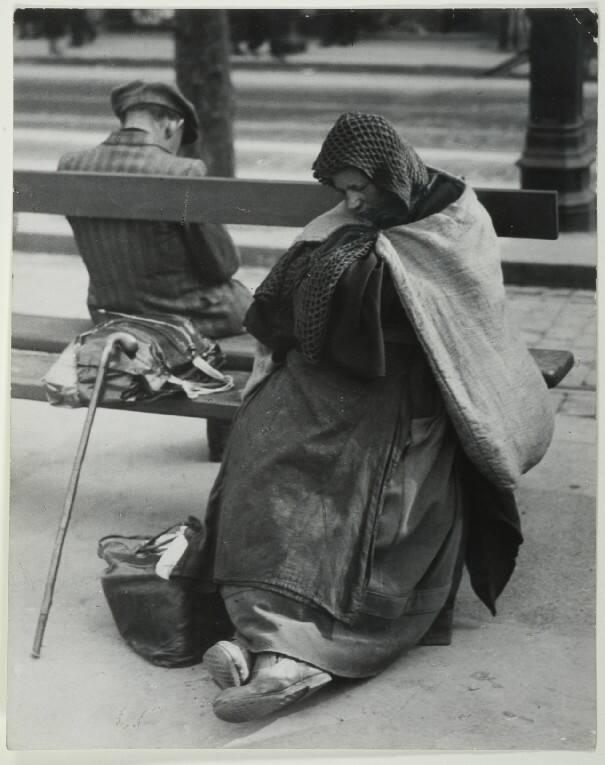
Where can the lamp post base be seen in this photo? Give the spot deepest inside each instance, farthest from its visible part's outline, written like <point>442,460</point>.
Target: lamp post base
<point>556,153</point>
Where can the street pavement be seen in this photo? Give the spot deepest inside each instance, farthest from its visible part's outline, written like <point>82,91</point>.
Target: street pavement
<point>524,680</point>
<point>467,126</point>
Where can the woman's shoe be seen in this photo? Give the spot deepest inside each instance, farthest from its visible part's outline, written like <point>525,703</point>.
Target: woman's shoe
<point>277,681</point>
<point>228,663</point>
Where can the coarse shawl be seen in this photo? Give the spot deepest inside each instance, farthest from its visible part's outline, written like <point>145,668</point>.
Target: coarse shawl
<point>448,275</point>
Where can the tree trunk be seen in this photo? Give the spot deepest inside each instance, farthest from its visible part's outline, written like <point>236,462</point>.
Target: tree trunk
<point>203,74</point>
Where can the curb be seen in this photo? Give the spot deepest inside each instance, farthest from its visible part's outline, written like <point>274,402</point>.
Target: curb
<point>516,273</point>
<point>274,66</point>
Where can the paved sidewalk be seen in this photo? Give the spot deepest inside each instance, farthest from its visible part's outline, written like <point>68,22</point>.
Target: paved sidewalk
<point>524,680</point>
<point>562,319</point>
<point>434,54</point>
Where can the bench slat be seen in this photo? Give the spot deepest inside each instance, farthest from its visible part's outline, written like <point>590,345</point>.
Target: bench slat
<point>515,213</point>
<point>553,364</point>
<point>30,364</point>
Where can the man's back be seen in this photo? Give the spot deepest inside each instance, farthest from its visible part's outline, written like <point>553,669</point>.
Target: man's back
<point>156,267</point>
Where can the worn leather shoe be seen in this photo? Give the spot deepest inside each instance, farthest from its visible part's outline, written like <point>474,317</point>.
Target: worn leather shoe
<point>277,681</point>
<point>228,663</point>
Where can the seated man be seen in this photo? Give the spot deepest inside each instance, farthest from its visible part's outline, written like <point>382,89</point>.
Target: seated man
<point>147,267</point>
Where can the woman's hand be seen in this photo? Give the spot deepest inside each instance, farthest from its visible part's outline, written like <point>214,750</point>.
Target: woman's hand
<point>383,248</point>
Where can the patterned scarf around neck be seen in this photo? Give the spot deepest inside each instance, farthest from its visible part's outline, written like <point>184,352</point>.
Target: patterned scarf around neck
<point>306,278</point>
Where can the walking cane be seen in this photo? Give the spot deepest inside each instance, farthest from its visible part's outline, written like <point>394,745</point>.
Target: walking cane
<point>129,345</point>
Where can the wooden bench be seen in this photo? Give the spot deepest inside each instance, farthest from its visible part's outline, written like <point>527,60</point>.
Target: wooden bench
<point>37,339</point>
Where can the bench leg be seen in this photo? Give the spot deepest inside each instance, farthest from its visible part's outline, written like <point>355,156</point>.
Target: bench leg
<point>217,432</point>
<point>440,631</point>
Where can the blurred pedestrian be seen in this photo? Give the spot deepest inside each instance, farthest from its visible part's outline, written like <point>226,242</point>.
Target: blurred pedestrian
<point>284,35</point>
<point>81,27</point>
<point>338,27</point>
<point>29,22</point>
<point>154,18</point>
<point>513,31</point>
<point>54,23</point>
<point>246,28</point>
<point>257,27</point>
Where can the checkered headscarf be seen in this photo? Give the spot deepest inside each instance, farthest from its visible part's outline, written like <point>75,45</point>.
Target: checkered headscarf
<point>371,144</point>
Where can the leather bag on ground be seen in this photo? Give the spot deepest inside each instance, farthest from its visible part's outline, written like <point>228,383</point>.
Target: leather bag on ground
<point>167,622</point>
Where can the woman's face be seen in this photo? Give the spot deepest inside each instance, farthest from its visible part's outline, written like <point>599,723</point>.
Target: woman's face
<point>362,197</point>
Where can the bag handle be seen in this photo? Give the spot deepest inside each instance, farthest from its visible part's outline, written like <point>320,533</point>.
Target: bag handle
<point>195,389</point>
<point>149,542</point>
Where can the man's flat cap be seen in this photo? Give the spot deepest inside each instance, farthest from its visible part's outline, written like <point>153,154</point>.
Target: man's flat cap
<point>137,93</point>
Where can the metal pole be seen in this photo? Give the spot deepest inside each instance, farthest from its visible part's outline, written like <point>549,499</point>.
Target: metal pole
<point>556,153</point>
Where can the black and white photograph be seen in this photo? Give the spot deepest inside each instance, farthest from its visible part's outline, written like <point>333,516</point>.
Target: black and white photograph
<point>303,380</point>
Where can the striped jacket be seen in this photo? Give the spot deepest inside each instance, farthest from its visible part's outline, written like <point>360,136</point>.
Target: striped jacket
<point>144,267</point>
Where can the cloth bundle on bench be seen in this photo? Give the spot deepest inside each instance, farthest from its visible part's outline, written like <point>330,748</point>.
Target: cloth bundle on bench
<point>171,357</point>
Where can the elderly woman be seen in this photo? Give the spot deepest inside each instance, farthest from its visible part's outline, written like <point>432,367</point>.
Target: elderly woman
<point>389,414</point>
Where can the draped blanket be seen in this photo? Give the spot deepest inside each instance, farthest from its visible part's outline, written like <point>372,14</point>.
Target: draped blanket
<point>447,272</point>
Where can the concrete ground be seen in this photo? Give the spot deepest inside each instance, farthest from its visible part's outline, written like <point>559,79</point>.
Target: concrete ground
<point>524,680</point>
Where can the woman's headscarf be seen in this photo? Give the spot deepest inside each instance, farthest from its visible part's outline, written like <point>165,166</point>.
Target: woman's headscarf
<point>371,144</point>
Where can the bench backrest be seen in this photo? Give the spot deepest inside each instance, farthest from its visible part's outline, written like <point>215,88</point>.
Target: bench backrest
<point>515,213</point>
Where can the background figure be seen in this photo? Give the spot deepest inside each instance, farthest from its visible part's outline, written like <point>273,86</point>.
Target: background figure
<point>513,32</point>
<point>29,22</point>
<point>244,29</point>
<point>284,36</point>
<point>81,28</point>
<point>338,27</point>
<point>54,23</point>
<point>278,28</point>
